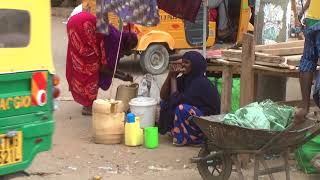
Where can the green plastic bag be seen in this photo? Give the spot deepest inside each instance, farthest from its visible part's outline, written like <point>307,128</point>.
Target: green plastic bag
<point>265,115</point>
<point>306,153</point>
<point>250,117</point>
<point>235,97</point>
<point>278,116</point>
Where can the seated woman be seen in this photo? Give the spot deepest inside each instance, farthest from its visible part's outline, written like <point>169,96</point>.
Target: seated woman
<point>91,58</point>
<point>190,94</point>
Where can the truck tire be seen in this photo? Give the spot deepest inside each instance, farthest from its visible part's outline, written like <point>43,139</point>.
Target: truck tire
<point>155,59</point>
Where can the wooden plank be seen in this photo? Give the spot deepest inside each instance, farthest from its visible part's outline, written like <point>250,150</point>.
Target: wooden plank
<point>263,57</point>
<point>276,71</point>
<point>224,62</point>
<point>247,72</point>
<point>277,61</point>
<point>231,55</point>
<point>285,66</point>
<point>232,59</point>
<point>284,51</point>
<point>226,90</point>
<point>235,55</point>
<point>293,60</point>
<point>289,44</point>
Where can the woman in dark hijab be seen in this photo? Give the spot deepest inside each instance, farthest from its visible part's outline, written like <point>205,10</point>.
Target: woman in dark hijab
<point>190,94</point>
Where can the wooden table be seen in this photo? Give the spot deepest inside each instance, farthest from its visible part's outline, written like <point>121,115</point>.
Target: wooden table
<point>248,71</point>
<point>228,69</point>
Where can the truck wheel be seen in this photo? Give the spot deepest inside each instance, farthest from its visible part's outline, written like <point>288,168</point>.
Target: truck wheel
<point>155,59</point>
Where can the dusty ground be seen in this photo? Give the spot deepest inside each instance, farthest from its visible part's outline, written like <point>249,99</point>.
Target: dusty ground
<point>75,157</point>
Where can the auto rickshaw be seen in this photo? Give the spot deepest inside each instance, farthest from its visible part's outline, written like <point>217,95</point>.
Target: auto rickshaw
<point>28,84</point>
<point>172,34</point>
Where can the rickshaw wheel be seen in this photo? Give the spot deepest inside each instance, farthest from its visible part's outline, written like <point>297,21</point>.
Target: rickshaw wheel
<point>217,168</point>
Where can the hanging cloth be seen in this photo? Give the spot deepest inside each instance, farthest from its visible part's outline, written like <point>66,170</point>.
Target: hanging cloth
<point>102,18</point>
<point>142,12</point>
<point>183,9</point>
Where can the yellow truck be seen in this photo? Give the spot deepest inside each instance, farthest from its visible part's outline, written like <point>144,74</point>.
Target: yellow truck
<point>172,34</point>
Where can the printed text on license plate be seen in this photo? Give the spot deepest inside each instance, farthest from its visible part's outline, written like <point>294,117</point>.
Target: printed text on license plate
<point>10,149</point>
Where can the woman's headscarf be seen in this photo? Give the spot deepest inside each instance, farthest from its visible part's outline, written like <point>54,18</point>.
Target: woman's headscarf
<point>128,42</point>
<point>195,88</point>
<point>198,64</point>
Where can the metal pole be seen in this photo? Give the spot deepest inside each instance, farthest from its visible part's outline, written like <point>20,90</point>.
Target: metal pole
<point>204,45</point>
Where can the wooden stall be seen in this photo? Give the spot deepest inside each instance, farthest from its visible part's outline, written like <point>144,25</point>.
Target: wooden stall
<point>281,59</point>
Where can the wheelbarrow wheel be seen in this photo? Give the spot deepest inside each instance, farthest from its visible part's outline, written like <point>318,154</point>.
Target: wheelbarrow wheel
<point>217,168</point>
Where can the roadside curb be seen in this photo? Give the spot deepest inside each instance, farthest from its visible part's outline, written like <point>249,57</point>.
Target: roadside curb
<point>61,12</point>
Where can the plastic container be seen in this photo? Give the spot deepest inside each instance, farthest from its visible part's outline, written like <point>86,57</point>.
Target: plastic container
<point>145,108</point>
<point>107,121</point>
<point>151,138</point>
<point>125,93</point>
<point>133,132</point>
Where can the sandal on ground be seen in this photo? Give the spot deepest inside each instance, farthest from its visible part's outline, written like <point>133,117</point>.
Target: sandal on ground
<point>86,111</point>
<point>174,142</point>
<point>178,145</point>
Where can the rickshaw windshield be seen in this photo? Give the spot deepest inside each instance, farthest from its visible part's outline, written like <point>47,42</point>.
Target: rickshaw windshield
<point>14,28</point>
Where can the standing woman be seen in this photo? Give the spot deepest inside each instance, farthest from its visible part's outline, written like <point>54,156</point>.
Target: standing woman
<point>91,58</point>
<point>191,94</point>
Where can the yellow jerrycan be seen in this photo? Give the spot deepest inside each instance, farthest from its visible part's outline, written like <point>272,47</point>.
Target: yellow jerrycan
<point>108,121</point>
<point>133,132</point>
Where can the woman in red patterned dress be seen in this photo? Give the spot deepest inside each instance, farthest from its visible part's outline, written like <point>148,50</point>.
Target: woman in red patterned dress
<point>91,58</point>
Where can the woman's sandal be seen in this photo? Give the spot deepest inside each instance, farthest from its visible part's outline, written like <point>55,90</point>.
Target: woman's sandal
<point>174,142</point>
<point>87,111</point>
<point>181,145</point>
<point>178,145</point>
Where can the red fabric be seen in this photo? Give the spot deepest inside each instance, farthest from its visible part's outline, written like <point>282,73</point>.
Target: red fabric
<point>213,13</point>
<point>85,55</point>
<point>184,9</point>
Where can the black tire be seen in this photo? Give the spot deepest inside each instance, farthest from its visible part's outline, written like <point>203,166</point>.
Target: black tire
<point>218,168</point>
<point>56,3</point>
<point>155,59</point>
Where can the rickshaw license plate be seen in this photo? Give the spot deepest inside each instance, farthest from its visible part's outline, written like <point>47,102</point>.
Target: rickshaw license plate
<point>10,149</point>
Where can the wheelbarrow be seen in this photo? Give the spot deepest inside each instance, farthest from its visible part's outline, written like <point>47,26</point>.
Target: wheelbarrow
<point>224,143</point>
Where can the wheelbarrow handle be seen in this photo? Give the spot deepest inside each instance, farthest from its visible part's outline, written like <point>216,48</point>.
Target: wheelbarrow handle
<point>276,138</point>
<point>311,136</point>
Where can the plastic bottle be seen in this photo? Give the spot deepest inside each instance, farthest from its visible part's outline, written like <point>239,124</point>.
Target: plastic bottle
<point>133,132</point>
